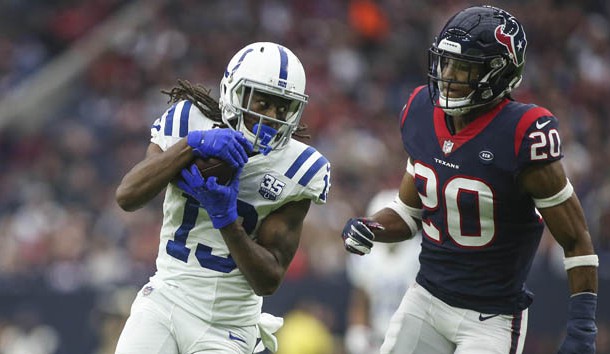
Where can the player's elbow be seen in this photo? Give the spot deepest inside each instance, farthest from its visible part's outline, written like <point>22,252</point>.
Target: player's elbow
<point>125,200</point>
<point>265,290</point>
<point>267,287</point>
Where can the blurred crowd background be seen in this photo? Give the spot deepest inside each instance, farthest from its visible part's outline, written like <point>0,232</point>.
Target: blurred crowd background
<point>80,86</point>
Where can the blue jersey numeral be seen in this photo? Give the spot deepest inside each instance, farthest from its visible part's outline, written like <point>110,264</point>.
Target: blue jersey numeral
<point>177,247</point>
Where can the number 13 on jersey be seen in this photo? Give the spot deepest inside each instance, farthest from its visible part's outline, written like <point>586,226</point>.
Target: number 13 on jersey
<point>177,247</point>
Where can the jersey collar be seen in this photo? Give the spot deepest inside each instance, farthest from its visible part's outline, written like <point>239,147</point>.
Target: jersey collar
<point>450,143</point>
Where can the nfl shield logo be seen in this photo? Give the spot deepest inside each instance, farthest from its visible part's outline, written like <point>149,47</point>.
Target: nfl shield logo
<point>147,290</point>
<point>447,146</point>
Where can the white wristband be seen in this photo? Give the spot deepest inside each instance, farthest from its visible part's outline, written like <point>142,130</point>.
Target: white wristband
<point>590,260</point>
<point>407,214</point>
<point>410,168</point>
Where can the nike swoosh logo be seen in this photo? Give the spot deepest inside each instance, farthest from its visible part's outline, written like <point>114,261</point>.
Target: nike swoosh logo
<point>157,127</point>
<point>541,125</point>
<point>485,318</point>
<point>234,337</point>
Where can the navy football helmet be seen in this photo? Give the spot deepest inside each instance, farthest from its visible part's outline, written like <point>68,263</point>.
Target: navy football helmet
<point>487,45</point>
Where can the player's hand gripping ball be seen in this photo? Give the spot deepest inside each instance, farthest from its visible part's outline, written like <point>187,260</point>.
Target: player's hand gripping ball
<point>225,144</point>
<point>213,167</point>
<point>219,201</point>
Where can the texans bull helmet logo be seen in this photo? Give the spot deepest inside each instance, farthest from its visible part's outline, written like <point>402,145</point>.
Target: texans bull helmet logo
<point>512,36</point>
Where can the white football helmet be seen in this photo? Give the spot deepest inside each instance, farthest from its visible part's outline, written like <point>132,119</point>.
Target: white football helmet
<point>267,68</point>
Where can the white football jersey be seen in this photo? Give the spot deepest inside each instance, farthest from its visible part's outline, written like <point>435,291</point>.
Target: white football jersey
<point>193,257</point>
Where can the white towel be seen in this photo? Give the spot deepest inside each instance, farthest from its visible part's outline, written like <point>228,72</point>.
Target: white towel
<point>267,326</point>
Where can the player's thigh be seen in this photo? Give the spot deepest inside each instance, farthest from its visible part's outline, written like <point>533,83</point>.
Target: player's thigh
<point>410,331</point>
<point>503,334</point>
<point>146,330</point>
<point>217,339</point>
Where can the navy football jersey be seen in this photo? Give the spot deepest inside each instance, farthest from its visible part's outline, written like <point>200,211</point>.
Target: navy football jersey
<point>480,229</point>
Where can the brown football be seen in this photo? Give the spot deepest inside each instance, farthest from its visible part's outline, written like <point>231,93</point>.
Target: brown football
<point>215,167</point>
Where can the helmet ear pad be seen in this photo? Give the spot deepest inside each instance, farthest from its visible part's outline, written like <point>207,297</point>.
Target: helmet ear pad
<point>263,68</point>
<point>479,35</point>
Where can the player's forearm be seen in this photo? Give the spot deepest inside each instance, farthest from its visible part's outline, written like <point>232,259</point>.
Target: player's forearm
<point>259,266</point>
<point>149,177</point>
<point>395,229</point>
<point>567,224</point>
<point>582,279</point>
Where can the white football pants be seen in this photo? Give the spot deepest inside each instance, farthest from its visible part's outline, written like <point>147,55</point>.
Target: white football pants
<point>423,324</point>
<point>157,325</point>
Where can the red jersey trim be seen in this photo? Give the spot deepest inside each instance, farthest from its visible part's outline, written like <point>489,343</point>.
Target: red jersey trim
<point>404,114</point>
<point>526,121</point>
<point>470,131</point>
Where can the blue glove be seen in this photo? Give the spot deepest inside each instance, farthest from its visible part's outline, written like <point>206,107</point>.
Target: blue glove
<point>358,235</point>
<point>581,329</point>
<point>219,201</point>
<point>226,144</point>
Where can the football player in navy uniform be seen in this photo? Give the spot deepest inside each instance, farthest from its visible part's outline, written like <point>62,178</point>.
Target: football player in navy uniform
<point>484,176</point>
<point>223,247</point>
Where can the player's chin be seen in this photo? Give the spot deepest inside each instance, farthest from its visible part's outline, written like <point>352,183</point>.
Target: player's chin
<point>455,91</point>
<point>455,94</point>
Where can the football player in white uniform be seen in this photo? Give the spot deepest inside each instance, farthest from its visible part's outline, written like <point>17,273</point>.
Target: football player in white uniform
<point>223,247</point>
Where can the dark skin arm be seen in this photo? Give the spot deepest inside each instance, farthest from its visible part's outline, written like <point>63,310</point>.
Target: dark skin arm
<point>396,229</point>
<point>264,261</point>
<point>566,221</point>
<point>151,175</point>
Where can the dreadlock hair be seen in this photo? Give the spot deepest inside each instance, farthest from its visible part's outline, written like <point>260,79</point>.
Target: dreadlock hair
<point>200,97</point>
<point>197,95</point>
